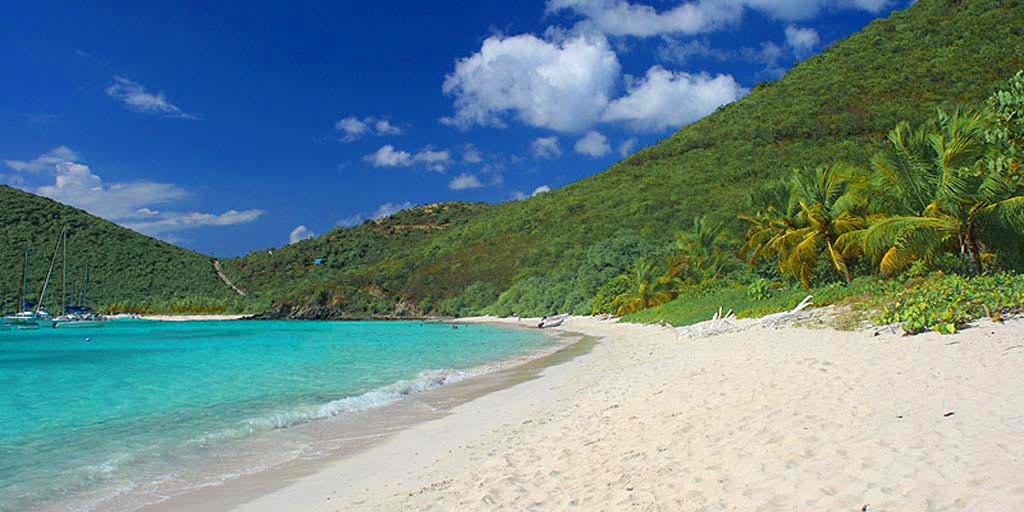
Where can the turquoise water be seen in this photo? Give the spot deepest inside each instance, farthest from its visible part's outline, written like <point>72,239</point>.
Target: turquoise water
<point>146,403</point>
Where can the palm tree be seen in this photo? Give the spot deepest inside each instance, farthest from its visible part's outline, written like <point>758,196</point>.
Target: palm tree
<point>820,209</point>
<point>828,209</point>
<point>941,195</point>
<point>645,289</point>
<point>702,257</point>
<point>768,225</point>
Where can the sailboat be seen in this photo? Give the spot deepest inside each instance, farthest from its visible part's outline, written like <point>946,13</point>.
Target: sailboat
<point>77,316</point>
<point>29,315</point>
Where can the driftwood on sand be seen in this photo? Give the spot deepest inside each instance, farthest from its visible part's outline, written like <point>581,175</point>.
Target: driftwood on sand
<point>724,323</point>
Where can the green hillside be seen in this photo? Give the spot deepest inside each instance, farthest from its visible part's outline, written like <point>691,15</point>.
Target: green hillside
<point>836,106</point>
<point>126,269</point>
<point>317,272</point>
<point>560,250</point>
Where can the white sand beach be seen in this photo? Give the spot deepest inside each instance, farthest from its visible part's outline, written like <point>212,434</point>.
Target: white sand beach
<point>765,419</point>
<point>192,318</point>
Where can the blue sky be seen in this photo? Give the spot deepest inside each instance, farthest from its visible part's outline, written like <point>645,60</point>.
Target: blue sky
<point>230,128</point>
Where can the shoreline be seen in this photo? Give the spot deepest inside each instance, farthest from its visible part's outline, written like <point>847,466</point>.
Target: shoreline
<point>193,318</point>
<point>777,418</point>
<point>358,431</point>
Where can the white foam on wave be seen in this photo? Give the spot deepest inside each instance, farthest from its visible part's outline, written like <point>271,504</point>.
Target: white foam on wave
<point>154,492</point>
<point>426,380</point>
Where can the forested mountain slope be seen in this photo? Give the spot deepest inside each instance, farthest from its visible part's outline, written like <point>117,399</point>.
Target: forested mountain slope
<point>125,267</point>
<point>836,106</point>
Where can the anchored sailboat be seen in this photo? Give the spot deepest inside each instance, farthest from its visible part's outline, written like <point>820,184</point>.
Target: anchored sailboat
<point>28,315</point>
<point>78,315</point>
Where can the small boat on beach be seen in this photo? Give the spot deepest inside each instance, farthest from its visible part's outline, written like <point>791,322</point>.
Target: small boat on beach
<point>553,321</point>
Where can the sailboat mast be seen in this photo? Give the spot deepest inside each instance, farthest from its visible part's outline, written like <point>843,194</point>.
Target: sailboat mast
<point>49,272</point>
<point>85,288</point>
<point>23,285</point>
<point>64,274</point>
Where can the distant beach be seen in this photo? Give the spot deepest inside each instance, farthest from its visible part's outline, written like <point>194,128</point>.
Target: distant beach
<point>191,318</point>
<point>785,418</point>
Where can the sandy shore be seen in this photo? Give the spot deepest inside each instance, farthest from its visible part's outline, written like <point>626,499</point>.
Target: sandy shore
<point>190,318</point>
<point>765,419</point>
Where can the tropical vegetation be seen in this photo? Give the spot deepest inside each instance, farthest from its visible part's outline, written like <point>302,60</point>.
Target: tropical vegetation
<point>863,169</point>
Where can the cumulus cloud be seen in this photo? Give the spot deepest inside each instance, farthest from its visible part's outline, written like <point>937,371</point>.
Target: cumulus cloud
<point>384,210</point>
<point>678,52</point>
<point>803,41</point>
<point>465,181</point>
<point>136,98</point>
<point>546,147</point>
<point>623,18</point>
<point>665,99</point>
<point>388,156</point>
<point>436,161</point>
<point>627,146</point>
<point>352,128</point>
<point>768,54</point>
<point>389,209</point>
<point>131,204</point>
<point>44,162</point>
<point>593,144</point>
<point>562,86</point>
<point>470,154</point>
<point>384,127</point>
<point>519,195</point>
<point>167,222</point>
<point>299,234</point>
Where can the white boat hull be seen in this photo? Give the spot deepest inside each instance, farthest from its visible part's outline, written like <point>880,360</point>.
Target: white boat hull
<point>79,324</point>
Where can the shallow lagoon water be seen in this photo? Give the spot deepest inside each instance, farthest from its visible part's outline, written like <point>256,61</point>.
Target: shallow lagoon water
<point>143,407</point>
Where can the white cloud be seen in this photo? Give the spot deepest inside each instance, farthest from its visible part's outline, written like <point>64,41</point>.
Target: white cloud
<point>136,98</point>
<point>389,209</point>
<point>44,162</point>
<point>299,234</point>
<point>465,181</point>
<point>669,100</point>
<point>518,195</point>
<point>177,221</point>
<point>351,221</point>
<point>384,127</point>
<point>546,147</point>
<point>593,144</point>
<point>803,41</point>
<point>352,128</point>
<point>470,154</point>
<point>622,18</point>
<point>679,53</point>
<point>767,54</point>
<point>388,156</point>
<point>436,161</point>
<point>132,204</point>
<point>384,210</point>
<point>627,146</point>
<point>562,86</point>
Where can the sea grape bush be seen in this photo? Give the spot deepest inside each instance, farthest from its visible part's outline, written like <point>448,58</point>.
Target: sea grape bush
<point>948,302</point>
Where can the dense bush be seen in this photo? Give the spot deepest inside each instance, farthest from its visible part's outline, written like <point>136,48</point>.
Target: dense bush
<point>946,303</point>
